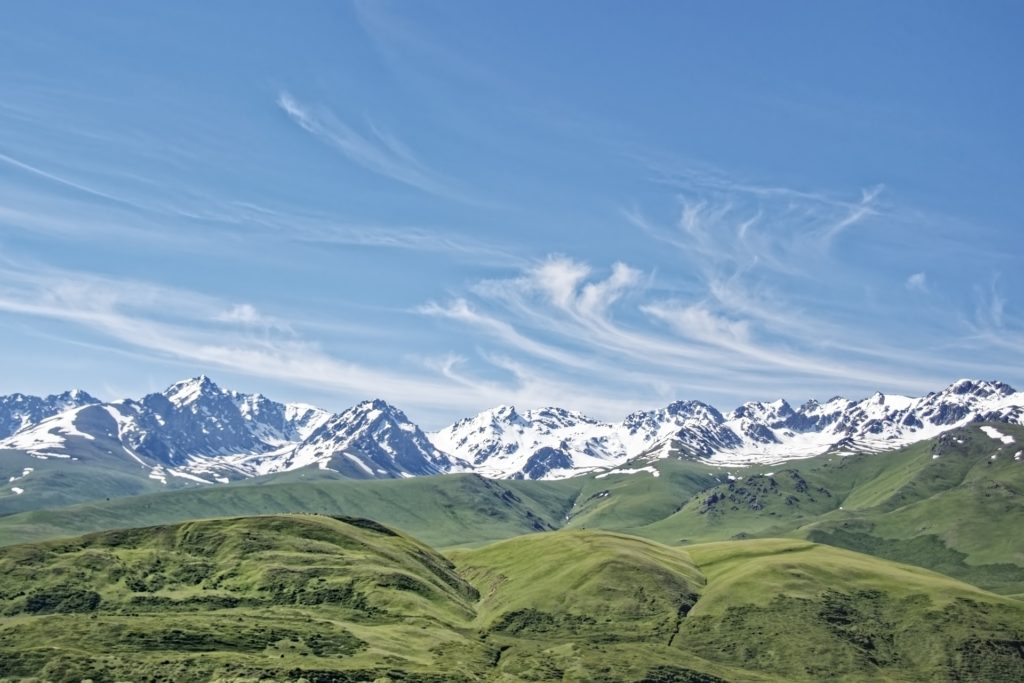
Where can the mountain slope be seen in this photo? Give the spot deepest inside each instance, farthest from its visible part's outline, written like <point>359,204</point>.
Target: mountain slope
<point>810,612</point>
<point>370,440</point>
<point>445,511</point>
<point>946,504</point>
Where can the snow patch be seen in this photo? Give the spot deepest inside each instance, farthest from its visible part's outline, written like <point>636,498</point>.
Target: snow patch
<point>362,465</point>
<point>996,435</point>
<point>626,470</point>
<point>24,473</point>
<point>186,475</point>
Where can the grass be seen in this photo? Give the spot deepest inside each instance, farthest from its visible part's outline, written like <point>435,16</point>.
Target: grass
<point>585,581</point>
<point>234,598</point>
<point>958,513</point>
<point>444,511</point>
<point>54,482</point>
<point>310,597</point>
<point>810,612</point>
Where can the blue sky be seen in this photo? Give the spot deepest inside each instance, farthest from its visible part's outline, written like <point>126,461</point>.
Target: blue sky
<point>454,205</point>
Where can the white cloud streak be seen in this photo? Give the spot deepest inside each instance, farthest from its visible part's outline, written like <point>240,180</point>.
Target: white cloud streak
<point>191,219</point>
<point>378,151</point>
<point>207,331</point>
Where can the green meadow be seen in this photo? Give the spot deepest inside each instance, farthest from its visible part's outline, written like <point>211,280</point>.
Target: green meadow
<point>902,566</point>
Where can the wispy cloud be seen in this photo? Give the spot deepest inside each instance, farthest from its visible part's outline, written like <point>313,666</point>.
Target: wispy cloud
<point>560,311</point>
<point>918,282</point>
<point>375,150</point>
<point>191,218</point>
<point>180,324</point>
<point>857,213</point>
<point>60,180</point>
<point>756,302</point>
<point>990,306</point>
<point>249,316</point>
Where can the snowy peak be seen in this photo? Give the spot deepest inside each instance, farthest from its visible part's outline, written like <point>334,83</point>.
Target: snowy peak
<point>18,411</point>
<point>534,444</point>
<point>195,429</point>
<point>673,416</point>
<point>774,413</point>
<point>50,436</point>
<point>693,410</point>
<point>190,391</point>
<point>978,388</point>
<point>372,439</point>
<point>277,423</point>
<point>774,432</point>
<point>303,419</point>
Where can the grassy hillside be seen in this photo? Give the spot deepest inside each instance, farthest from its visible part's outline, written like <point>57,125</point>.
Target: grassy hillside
<point>450,510</point>
<point>54,482</point>
<point>945,504</point>
<point>309,597</point>
<point>628,501</point>
<point>444,511</point>
<point>956,506</point>
<point>240,599</point>
<point>811,612</point>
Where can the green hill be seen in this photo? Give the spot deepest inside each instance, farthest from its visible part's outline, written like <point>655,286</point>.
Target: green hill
<point>952,504</point>
<point>310,597</point>
<point>945,504</point>
<point>50,482</point>
<point>232,598</point>
<point>812,612</point>
<point>445,511</point>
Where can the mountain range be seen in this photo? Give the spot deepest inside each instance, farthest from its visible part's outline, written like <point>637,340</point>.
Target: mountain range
<point>196,432</point>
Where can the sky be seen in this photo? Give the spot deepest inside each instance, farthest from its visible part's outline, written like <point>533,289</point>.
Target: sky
<point>454,205</point>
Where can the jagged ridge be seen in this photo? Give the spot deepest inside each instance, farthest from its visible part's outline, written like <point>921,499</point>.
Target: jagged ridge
<point>197,431</point>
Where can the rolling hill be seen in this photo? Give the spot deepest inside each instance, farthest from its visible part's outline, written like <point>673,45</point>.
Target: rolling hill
<point>943,504</point>
<point>316,598</point>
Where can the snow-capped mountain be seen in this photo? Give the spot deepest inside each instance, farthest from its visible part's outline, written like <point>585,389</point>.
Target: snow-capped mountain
<point>368,441</point>
<point>508,443</point>
<point>533,444</point>
<point>195,431</point>
<point>775,432</point>
<point>18,410</point>
<point>372,439</point>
